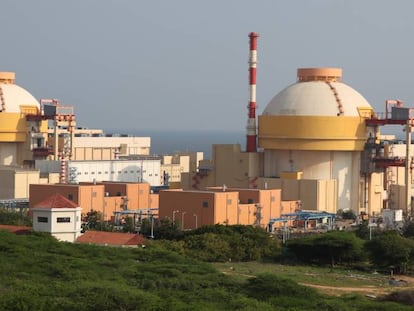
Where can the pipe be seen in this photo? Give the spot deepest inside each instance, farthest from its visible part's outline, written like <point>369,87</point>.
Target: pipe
<point>251,145</point>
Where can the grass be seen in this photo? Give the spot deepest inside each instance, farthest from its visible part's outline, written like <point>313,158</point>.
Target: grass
<point>340,277</point>
<point>39,273</point>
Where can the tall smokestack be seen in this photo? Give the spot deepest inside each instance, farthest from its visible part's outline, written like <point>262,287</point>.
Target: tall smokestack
<point>251,122</point>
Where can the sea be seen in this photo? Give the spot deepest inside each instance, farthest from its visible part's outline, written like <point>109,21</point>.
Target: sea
<point>168,142</point>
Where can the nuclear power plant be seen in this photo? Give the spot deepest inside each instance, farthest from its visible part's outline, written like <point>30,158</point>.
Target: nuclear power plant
<point>318,141</point>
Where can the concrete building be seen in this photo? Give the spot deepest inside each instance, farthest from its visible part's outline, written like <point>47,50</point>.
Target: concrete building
<point>311,140</point>
<point>107,198</point>
<point>58,216</point>
<point>103,146</point>
<point>195,208</point>
<point>15,181</point>
<point>173,166</point>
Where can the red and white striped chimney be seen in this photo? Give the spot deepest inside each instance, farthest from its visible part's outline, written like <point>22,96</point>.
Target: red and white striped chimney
<point>251,122</point>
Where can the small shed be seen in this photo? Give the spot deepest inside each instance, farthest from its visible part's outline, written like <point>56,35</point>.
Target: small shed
<point>58,216</point>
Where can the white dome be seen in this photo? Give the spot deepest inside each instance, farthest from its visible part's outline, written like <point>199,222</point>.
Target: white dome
<point>316,98</point>
<point>13,96</point>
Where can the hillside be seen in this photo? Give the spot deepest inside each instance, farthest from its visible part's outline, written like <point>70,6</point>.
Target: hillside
<point>39,273</point>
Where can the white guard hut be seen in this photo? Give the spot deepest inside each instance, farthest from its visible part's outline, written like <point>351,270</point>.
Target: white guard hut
<point>58,216</point>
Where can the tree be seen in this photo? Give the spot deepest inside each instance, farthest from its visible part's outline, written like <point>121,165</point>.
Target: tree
<point>129,225</point>
<point>408,230</point>
<point>166,229</point>
<point>333,247</point>
<point>390,250</point>
<point>92,220</point>
<point>363,230</point>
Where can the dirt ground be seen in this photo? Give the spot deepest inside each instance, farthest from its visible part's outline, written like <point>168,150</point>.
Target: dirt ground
<point>399,282</point>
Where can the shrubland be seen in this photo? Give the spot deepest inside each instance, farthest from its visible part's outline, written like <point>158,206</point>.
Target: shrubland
<point>39,273</point>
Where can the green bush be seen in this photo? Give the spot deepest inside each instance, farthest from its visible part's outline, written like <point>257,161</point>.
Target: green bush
<point>334,247</point>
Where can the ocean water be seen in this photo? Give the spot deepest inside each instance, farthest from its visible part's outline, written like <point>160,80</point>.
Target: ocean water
<point>168,142</point>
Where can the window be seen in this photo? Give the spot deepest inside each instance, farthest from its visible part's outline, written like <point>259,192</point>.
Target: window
<point>205,204</point>
<point>42,219</point>
<point>63,219</point>
<point>249,201</point>
<point>70,196</point>
<point>272,199</point>
<point>229,201</point>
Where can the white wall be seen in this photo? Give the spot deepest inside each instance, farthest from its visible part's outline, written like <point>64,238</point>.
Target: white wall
<point>64,231</point>
<point>8,153</point>
<point>340,165</point>
<point>117,170</point>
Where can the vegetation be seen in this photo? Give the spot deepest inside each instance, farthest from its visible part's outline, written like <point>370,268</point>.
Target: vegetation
<point>334,247</point>
<point>391,251</point>
<point>348,214</point>
<point>218,243</point>
<point>19,218</point>
<point>39,273</point>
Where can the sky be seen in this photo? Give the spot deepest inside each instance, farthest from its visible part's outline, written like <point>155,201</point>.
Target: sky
<point>183,64</point>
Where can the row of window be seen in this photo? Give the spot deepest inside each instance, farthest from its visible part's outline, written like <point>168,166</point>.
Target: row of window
<point>58,220</point>
<point>119,172</point>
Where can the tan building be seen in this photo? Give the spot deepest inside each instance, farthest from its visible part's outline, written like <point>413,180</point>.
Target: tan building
<point>108,147</point>
<point>194,208</point>
<point>106,197</point>
<point>177,165</point>
<point>15,181</point>
<point>229,165</point>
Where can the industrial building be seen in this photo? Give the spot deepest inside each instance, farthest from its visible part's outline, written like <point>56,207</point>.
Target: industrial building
<point>41,144</point>
<point>222,205</point>
<point>319,141</point>
<point>108,198</point>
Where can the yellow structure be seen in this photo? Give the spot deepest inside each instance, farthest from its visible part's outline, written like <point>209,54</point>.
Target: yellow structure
<point>316,126</point>
<point>311,136</point>
<point>19,135</point>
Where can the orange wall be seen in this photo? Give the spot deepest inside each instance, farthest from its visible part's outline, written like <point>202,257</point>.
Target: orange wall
<point>246,214</point>
<point>219,207</point>
<point>143,194</point>
<point>92,196</point>
<point>86,196</point>
<point>226,205</point>
<point>269,201</point>
<point>154,201</point>
<point>112,204</point>
<point>190,202</point>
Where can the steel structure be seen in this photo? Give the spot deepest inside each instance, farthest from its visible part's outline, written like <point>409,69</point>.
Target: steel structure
<point>305,216</point>
<point>395,113</point>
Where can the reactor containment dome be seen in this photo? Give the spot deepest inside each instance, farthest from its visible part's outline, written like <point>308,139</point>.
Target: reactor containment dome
<point>318,112</point>
<point>316,127</point>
